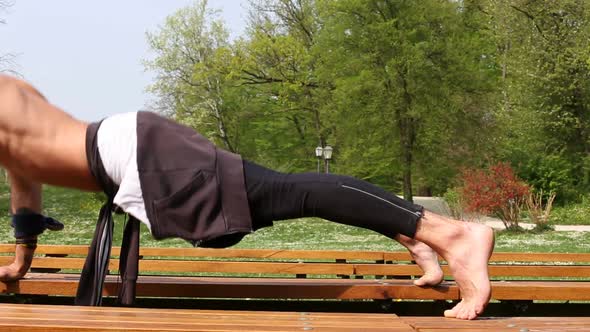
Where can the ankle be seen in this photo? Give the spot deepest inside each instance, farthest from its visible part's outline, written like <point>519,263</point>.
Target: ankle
<point>442,235</point>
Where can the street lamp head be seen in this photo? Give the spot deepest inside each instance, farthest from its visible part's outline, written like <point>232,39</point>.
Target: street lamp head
<point>319,151</point>
<point>328,152</point>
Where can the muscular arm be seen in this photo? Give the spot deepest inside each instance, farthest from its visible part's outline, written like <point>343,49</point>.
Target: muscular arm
<point>25,194</point>
<point>25,197</point>
<point>39,143</point>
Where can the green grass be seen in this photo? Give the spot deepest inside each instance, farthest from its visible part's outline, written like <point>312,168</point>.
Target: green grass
<point>575,242</point>
<point>79,210</point>
<point>320,234</point>
<point>572,214</point>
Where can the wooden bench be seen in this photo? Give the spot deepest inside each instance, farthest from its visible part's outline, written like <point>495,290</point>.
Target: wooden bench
<point>32,318</point>
<point>297,274</point>
<point>38,318</point>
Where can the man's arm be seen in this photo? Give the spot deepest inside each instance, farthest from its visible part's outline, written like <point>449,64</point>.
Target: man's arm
<point>25,200</point>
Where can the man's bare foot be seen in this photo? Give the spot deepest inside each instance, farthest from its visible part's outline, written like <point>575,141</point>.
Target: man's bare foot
<point>468,258</point>
<point>427,260</point>
<point>467,248</point>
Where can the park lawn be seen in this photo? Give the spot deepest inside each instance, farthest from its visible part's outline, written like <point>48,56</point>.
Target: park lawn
<point>79,210</point>
<point>572,214</point>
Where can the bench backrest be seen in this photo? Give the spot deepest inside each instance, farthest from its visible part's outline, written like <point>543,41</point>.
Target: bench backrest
<point>302,263</point>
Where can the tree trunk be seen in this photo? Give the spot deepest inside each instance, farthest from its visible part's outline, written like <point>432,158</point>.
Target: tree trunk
<point>407,130</point>
<point>406,135</point>
<point>407,173</point>
<point>215,105</point>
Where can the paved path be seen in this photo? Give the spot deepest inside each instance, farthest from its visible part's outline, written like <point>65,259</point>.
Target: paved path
<point>438,205</point>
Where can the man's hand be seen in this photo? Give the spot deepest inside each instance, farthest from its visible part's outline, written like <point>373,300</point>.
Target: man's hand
<point>25,206</point>
<point>23,257</point>
<point>27,225</point>
<point>11,272</point>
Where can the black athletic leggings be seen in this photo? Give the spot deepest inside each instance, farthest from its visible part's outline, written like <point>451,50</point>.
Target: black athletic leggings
<point>276,196</point>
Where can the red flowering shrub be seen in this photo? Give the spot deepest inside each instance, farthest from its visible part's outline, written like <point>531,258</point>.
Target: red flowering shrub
<point>495,191</point>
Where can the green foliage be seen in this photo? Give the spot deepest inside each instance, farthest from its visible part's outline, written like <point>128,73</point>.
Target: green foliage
<point>455,203</point>
<point>408,92</point>
<point>541,228</point>
<point>79,210</point>
<point>278,67</point>
<point>192,61</point>
<point>551,173</point>
<point>544,116</point>
<point>397,66</point>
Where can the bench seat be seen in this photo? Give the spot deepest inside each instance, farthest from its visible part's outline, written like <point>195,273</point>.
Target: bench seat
<point>37,318</point>
<point>73,318</point>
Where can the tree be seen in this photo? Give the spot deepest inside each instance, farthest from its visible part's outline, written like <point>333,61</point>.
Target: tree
<point>192,57</point>
<point>407,67</point>
<point>6,59</point>
<point>277,63</point>
<point>542,47</point>
<point>3,5</point>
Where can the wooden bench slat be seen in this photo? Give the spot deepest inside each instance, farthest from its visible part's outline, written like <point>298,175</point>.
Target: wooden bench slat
<point>578,271</point>
<point>211,287</point>
<point>540,257</point>
<point>266,264</point>
<point>303,254</point>
<point>468,329</point>
<point>174,313</point>
<point>539,271</point>
<point>74,318</point>
<point>290,268</point>
<point>200,266</point>
<point>513,257</point>
<point>503,323</point>
<point>541,290</point>
<point>221,253</point>
<point>132,319</point>
<point>69,318</point>
<point>82,325</point>
<point>246,267</point>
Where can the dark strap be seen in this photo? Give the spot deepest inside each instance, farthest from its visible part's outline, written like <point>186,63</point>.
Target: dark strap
<point>32,224</point>
<point>97,262</point>
<point>96,265</point>
<point>27,224</point>
<point>129,262</point>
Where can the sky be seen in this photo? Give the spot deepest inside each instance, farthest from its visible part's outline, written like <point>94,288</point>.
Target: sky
<point>86,56</point>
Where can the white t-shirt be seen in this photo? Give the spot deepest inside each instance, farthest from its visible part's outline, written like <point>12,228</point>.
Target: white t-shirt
<point>117,145</point>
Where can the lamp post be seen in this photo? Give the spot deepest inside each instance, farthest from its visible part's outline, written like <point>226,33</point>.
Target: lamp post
<point>319,151</point>
<point>327,156</point>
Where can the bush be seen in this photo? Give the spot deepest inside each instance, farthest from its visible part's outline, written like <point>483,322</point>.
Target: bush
<point>540,210</point>
<point>455,203</point>
<point>552,173</point>
<point>495,191</point>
